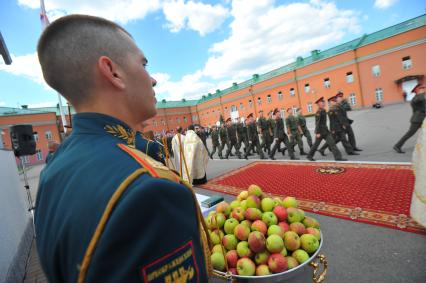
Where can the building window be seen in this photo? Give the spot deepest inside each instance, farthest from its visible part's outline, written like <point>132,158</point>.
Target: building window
<point>163,122</point>
<point>155,123</point>
<point>39,155</point>
<point>292,93</point>
<point>269,98</point>
<point>310,107</point>
<point>406,63</point>
<point>352,99</point>
<point>259,101</point>
<point>280,95</point>
<point>327,83</point>
<point>241,106</point>
<point>250,104</point>
<point>379,94</point>
<point>375,70</point>
<point>233,108</point>
<point>36,137</point>
<point>49,135</point>
<point>194,118</point>
<point>185,120</point>
<point>349,77</point>
<point>307,88</point>
<point>178,120</point>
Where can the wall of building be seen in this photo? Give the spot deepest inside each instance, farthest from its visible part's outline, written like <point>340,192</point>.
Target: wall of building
<point>43,124</point>
<point>16,228</point>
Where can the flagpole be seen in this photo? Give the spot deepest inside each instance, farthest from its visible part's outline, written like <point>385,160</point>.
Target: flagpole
<point>44,23</point>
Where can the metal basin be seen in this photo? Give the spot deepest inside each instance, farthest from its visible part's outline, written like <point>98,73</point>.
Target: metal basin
<point>286,275</point>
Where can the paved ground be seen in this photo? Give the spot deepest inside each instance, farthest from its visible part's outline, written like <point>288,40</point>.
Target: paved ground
<point>356,252</point>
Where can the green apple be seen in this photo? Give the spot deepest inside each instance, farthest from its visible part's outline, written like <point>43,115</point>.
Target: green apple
<point>311,222</point>
<point>300,255</point>
<point>292,262</point>
<point>290,202</point>
<point>234,204</point>
<point>274,244</point>
<point>241,232</point>
<point>253,201</point>
<point>243,195</point>
<point>267,204</point>
<point>224,208</point>
<point>295,215</point>
<point>275,230</point>
<point>314,231</point>
<point>218,249</point>
<point>269,218</point>
<point>243,249</point>
<point>309,243</point>
<point>291,240</point>
<point>262,269</point>
<point>262,257</point>
<point>246,267</point>
<point>230,225</point>
<point>255,190</point>
<point>218,261</point>
<point>215,236</point>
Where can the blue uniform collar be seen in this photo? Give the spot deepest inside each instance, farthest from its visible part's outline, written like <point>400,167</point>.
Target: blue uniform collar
<point>97,123</point>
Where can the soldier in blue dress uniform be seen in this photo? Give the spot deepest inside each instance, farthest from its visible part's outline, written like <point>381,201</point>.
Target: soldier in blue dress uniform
<point>105,211</point>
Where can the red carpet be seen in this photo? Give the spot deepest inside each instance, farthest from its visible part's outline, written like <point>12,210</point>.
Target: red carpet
<point>371,193</point>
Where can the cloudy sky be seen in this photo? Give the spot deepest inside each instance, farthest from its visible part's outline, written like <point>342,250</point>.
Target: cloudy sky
<point>196,47</point>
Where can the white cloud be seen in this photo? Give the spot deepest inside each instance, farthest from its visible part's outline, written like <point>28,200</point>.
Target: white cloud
<point>203,18</point>
<point>265,36</point>
<point>51,103</point>
<point>180,14</point>
<point>2,103</point>
<point>384,4</point>
<point>189,87</point>
<point>27,66</point>
<point>120,11</point>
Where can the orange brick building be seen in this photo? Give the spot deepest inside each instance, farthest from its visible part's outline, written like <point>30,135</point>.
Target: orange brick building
<point>45,127</point>
<point>377,67</point>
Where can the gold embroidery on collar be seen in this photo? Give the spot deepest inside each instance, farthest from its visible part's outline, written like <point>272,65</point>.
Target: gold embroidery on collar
<point>120,132</point>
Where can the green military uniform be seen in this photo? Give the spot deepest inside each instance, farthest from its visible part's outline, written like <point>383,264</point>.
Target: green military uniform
<point>301,121</point>
<point>215,143</point>
<point>150,148</point>
<point>263,125</point>
<point>322,130</point>
<point>346,122</point>
<point>418,104</point>
<point>336,118</point>
<point>281,137</point>
<point>293,132</point>
<point>253,138</point>
<point>223,135</point>
<point>242,136</point>
<point>270,133</point>
<point>232,141</point>
<point>98,212</point>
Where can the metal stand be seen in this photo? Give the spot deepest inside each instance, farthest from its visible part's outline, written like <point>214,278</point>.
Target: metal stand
<point>31,206</point>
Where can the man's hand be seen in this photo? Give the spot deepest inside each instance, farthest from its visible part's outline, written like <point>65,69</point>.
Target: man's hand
<point>276,140</point>
<point>318,136</point>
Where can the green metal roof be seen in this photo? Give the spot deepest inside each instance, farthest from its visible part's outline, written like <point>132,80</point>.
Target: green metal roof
<point>320,55</point>
<point>179,103</point>
<point>56,109</point>
<point>10,111</point>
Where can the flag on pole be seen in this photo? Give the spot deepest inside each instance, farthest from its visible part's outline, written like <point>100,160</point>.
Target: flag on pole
<point>44,23</point>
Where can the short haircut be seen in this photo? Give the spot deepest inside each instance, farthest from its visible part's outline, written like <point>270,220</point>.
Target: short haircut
<point>191,127</point>
<point>69,49</point>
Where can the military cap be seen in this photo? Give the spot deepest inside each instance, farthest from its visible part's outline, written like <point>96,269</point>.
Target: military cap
<point>275,111</point>
<point>333,98</point>
<point>250,115</point>
<point>417,87</point>
<point>289,109</point>
<point>339,94</point>
<point>218,123</point>
<point>321,99</point>
<point>260,111</point>
<point>228,120</point>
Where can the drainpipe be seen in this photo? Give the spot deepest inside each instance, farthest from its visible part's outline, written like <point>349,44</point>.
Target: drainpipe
<point>359,77</point>
<point>297,88</point>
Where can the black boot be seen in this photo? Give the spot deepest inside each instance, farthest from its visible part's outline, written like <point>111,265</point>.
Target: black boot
<point>310,158</point>
<point>398,149</point>
<point>322,152</point>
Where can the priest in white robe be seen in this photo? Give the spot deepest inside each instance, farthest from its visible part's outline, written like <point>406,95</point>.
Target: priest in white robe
<point>178,143</point>
<point>196,156</point>
<point>418,202</point>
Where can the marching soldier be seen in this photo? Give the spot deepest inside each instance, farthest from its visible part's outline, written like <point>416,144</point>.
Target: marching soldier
<point>271,124</point>
<point>215,142</point>
<point>294,130</point>
<point>302,124</point>
<point>337,128</point>
<point>346,121</point>
<point>231,139</point>
<point>281,137</point>
<point>322,133</point>
<point>93,192</point>
<point>242,135</point>
<point>419,112</point>
<point>262,124</point>
<point>223,137</point>
<point>253,137</point>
